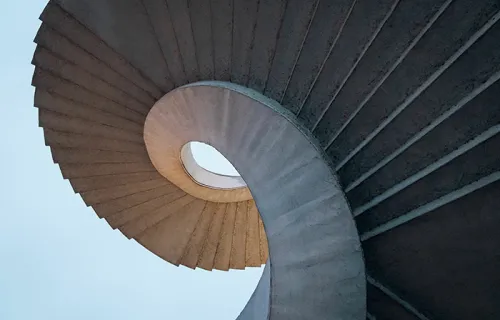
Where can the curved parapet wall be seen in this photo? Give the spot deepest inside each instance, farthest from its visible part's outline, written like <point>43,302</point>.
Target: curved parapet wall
<point>258,305</point>
<point>316,266</point>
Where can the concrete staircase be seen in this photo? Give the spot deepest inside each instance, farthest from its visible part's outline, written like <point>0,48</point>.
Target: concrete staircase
<point>403,96</point>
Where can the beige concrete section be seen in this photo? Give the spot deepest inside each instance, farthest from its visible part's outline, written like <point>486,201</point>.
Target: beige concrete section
<point>118,205</point>
<point>80,170</point>
<point>199,236</point>
<point>223,254</point>
<point>73,140</point>
<point>54,102</point>
<point>169,237</point>
<point>66,49</point>
<point>58,19</point>
<point>71,72</point>
<point>206,177</point>
<point>59,122</point>
<point>135,227</point>
<point>111,193</point>
<point>95,129</point>
<point>72,155</point>
<point>97,137</point>
<point>210,247</point>
<point>252,252</point>
<point>238,247</point>
<point>126,215</point>
<point>264,248</point>
<point>95,183</point>
<point>167,129</point>
<point>48,81</point>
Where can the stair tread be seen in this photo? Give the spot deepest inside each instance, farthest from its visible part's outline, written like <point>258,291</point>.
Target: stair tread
<point>46,60</point>
<point>238,247</point>
<point>207,257</point>
<point>75,140</point>
<point>101,182</point>
<point>111,193</point>
<point>50,82</point>
<point>264,43</point>
<point>294,29</point>
<point>403,26</point>
<point>59,20</point>
<point>135,227</point>
<point>62,46</point>
<point>252,251</point>
<point>56,103</point>
<point>199,236</point>
<point>328,21</point>
<point>136,40</point>
<point>73,155</point>
<point>119,208</point>
<point>59,122</point>
<point>103,169</point>
<point>244,19</point>
<point>351,46</point>
<point>223,254</point>
<point>169,237</point>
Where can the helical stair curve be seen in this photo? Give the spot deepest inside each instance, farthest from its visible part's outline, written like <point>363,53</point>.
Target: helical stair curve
<point>367,132</point>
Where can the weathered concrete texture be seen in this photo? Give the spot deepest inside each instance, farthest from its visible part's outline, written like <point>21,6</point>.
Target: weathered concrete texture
<point>316,264</point>
<point>258,305</point>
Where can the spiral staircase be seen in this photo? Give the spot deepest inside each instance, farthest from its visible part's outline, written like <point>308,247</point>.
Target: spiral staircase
<point>367,131</point>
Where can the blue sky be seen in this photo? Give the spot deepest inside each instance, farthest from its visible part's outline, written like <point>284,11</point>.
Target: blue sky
<point>57,259</point>
<point>209,158</point>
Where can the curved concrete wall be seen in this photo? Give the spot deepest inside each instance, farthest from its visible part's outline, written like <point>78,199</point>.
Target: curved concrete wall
<point>258,305</point>
<point>316,267</point>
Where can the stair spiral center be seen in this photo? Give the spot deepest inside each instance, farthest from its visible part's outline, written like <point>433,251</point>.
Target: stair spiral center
<point>209,168</point>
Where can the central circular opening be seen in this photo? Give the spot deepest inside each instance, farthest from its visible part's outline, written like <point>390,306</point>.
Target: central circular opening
<point>212,160</point>
<point>208,167</point>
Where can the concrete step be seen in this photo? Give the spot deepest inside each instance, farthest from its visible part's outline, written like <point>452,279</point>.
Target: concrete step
<point>252,252</point>
<point>238,247</point>
<point>69,51</point>
<point>135,227</point>
<point>139,204</point>
<point>169,237</point>
<point>120,206</point>
<point>56,18</point>
<point>223,253</point>
<point>194,248</point>
<point>207,257</point>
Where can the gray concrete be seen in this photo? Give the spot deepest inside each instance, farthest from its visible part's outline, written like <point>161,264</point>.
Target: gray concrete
<point>316,264</point>
<point>324,30</point>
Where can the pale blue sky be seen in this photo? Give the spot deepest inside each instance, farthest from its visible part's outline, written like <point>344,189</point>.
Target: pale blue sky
<point>57,259</point>
<point>209,158</point>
